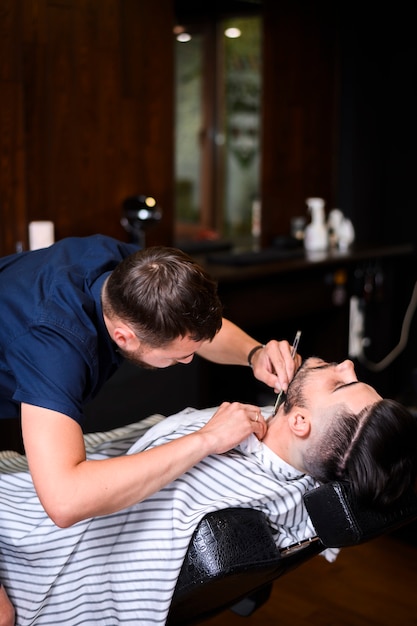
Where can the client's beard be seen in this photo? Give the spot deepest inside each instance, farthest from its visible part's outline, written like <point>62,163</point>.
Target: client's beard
<point>295,392</point>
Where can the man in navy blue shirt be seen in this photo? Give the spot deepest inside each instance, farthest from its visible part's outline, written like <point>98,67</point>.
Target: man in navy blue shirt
<point>70,314</point>
<point>57,349</point>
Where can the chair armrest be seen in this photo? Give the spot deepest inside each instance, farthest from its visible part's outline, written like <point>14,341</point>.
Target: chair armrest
<point>226,541</point>
<point>340,521</point>
<point>232,552</point>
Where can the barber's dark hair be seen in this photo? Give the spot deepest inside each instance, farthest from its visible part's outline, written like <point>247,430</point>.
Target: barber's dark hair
<point>375,451</point>
<point>164,295</point>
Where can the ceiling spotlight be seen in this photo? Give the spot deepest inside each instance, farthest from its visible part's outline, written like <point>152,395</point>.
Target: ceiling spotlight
<point>181,34</point>
<point>184,37</point>
<point>233,33</point>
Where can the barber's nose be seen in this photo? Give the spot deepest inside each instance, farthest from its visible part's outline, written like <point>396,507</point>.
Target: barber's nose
<point>187,360</point>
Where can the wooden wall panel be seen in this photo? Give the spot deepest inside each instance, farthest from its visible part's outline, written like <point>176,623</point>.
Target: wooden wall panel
<point>86,114</point>
<point>12,161</point>
<point>300,110</point>
<point>12,169</point>
<point>149,105</point>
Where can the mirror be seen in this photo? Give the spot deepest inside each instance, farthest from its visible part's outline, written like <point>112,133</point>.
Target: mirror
<point>218,146</point>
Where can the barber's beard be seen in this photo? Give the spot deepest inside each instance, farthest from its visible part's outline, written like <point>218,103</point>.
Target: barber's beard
<point>134,359</point>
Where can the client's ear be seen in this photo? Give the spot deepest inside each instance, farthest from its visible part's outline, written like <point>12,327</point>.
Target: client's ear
<point>299,422</point>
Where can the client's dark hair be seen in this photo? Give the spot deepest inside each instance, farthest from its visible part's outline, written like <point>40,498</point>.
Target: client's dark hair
<point>163,294</point>
<point>375,451</point>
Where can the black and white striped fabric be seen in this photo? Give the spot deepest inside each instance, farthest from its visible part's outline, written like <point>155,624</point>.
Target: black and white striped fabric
<point>122,568</point>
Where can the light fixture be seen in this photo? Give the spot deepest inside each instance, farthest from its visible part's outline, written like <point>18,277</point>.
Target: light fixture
<point>232,32</point>
<point>138,213</point>
<point>181,34</point>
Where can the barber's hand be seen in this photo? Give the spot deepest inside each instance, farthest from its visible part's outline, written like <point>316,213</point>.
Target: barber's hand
<point>232,423</point>
<point>274,365</point>
<point>7,614</point>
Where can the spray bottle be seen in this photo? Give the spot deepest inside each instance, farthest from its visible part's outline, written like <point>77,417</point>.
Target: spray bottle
<point>316,234</point>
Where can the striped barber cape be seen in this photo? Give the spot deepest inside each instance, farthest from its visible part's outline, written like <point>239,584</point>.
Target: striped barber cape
<point>122,568</point>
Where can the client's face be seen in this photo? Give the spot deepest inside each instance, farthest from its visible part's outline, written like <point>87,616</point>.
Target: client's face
<point>321,386</point>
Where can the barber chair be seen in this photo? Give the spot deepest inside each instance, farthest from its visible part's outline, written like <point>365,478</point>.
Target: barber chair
<point>232,559</point>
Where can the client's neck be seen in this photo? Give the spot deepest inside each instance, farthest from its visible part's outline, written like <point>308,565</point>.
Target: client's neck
<point>280,439</point>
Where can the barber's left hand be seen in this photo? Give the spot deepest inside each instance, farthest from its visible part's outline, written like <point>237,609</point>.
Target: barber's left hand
<point>274,365</point>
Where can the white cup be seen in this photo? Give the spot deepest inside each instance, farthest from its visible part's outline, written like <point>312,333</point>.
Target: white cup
<point>41,234</point>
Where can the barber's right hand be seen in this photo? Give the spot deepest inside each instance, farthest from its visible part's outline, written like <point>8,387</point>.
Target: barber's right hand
<point>231,424</point>
<point>275,366</point>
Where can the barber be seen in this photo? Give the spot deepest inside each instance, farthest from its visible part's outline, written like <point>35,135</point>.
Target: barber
<point>71,314</point>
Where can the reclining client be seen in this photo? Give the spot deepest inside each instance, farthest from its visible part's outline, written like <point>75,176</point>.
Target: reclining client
<point>122,567</point>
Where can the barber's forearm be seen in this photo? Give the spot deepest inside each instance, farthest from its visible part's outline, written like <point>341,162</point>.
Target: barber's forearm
<point>91,488</point>
<point>72,488</point>
<point>230,346</point>
<point>106,486</point>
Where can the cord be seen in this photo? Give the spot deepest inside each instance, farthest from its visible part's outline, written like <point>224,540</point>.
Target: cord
<point>405,329</point>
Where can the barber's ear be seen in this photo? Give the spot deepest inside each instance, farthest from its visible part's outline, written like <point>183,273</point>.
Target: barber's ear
<point>123,335</point>
<point>299,423</point>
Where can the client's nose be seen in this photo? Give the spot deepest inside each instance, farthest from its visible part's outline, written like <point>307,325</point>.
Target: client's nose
<point>346,365</point>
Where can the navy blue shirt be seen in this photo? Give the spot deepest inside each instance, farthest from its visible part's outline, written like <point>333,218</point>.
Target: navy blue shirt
<point>55,351</point>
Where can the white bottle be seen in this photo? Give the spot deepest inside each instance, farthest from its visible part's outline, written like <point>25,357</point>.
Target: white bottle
<point>346,234</point>
<point>341,231</point>
<point>316,234</point>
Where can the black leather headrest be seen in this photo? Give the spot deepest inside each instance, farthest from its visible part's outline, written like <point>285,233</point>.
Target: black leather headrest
<point>340,521</point>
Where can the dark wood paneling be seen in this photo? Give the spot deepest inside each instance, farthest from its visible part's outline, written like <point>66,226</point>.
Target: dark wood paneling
<point>300,115</point>
<point>377,183</point>
<point>86,114</point>
<point>148,127</point>
<point>12,162</point>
